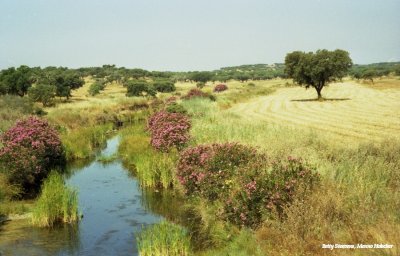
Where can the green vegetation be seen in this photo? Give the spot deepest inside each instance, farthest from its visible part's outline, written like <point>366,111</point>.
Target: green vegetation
<point>162,239</point>
<point>356,197</point>
<point>13,107</point>
<point>164,85</point>
<point>140,88</point>
<point>96,87</point>
<point>358,191</point>
<point>82,143</point>
<point>57,203</point>
<point>375,70</point>
<point>242,244</point>
<point>16,81</point>
<point>317,69</point>
<point>43,93</point>
<point>154,169</point>
<point>175,108</point>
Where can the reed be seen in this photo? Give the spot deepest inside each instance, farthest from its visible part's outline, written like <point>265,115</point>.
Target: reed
<point>163,239</point>
<point>152,168</point>
<point>57,203</point>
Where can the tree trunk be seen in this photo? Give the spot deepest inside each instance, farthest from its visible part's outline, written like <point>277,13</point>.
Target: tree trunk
<point>319,93</point>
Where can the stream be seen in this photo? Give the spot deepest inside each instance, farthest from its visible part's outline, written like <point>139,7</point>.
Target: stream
<point>114,209</point>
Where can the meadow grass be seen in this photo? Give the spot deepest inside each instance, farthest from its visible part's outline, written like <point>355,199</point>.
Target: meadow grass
<point>152,168</point>
<point>164,238</point>
<point>57,203</point>
<point>82,143</point>
<point>358,196</point>
<point>242,244</point>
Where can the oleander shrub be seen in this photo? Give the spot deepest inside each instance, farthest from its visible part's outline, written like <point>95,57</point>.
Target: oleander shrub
<point>247,183</point>
<point>197,93</point>
<point>206,170</point>
<point>31,148</point>
<point>168,130</point>
<point>220,88</point>
<point>268,187</point>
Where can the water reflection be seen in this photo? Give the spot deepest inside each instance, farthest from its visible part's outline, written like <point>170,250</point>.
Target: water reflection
<point>169,204</point>
<point>113,209</point>
<point>19,238</point>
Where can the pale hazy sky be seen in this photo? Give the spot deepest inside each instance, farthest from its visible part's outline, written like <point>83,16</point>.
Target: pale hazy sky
<point>193,34</point>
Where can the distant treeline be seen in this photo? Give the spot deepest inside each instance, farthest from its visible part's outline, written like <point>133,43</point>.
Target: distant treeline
<point>59,81</point>
<point>375,70</point>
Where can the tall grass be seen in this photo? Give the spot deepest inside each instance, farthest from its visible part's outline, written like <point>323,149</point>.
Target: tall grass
<point>14,107</point>
<point>152,168</point>
<point>242,244</point>
<point>163,239</point>
<point>358,200</point>
<point>82,143</point>
<point>57,203</point>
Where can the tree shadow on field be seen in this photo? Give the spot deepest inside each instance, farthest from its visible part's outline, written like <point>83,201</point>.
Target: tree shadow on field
<point>323,99</point>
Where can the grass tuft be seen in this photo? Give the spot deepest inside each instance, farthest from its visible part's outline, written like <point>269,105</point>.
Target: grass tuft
<point>162,239</point>
<point>57,203</point>
<point>153,169</point>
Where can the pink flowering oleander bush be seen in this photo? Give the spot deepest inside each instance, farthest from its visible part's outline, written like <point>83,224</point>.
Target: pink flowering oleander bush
<point>248,184</point>
<point>170,100</point>
<point>168,130</point>
<point>31,148</point>
<point>197,93</point>
<point>220,88</point>
<point>205,169</point>
<point>267,187</point>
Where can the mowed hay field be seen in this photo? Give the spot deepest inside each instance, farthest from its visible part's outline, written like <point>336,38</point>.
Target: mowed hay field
<point>352,140</point>
<point>351,110</point>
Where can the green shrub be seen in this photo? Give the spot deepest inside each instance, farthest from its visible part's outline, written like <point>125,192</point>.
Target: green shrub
<point>163,239</point>
<point>175,108</point>
<point>14,107</point>
<point>8,191</point>
<point>57,203</point>
<point>96,87</point>
<point>140,88</point>
<point>43,93</point>
<point>164,86</point>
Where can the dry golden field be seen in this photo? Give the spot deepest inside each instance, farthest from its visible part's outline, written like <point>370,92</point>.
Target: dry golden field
<point>351,109</point>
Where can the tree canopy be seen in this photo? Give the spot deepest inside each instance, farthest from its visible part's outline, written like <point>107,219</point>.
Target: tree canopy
<point>317,69</point>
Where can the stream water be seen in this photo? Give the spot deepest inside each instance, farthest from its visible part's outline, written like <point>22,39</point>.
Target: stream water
<point>113,208</point>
